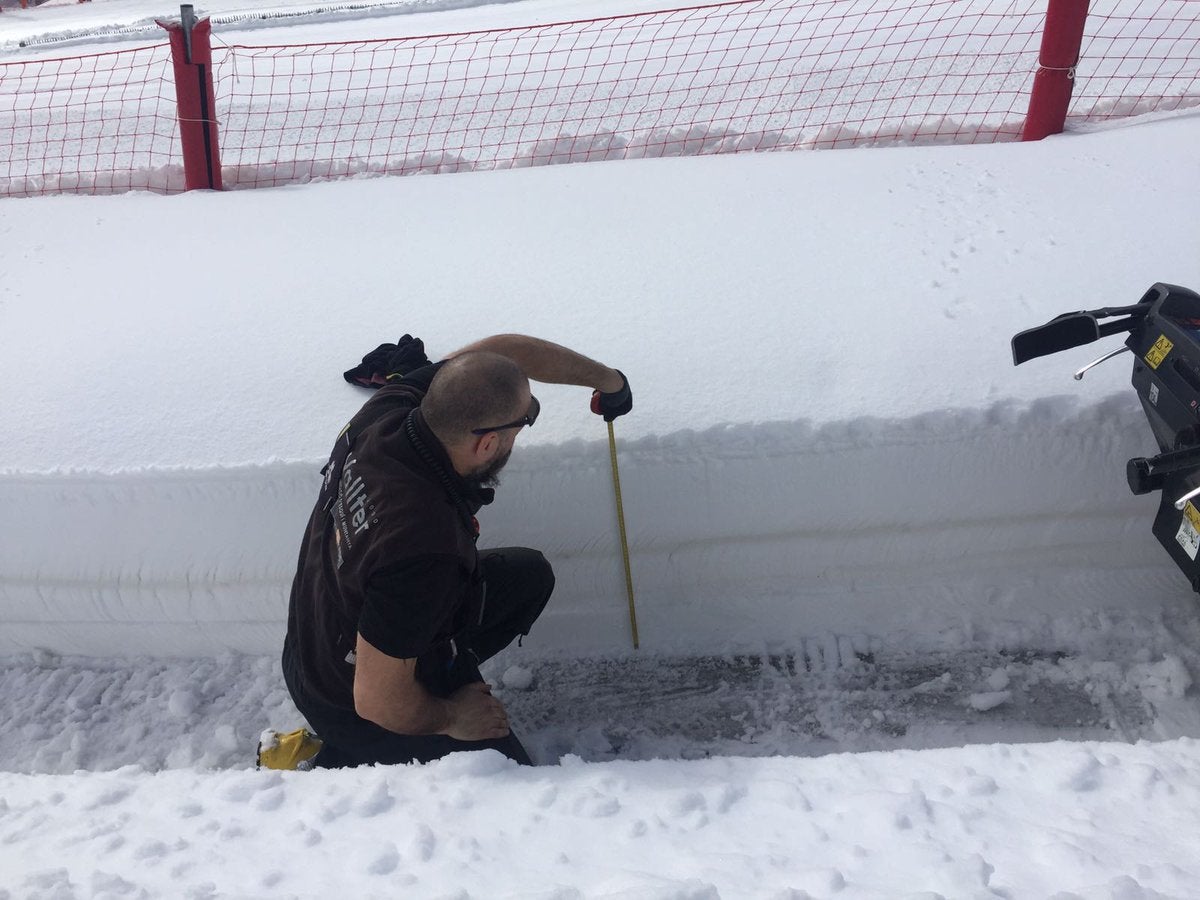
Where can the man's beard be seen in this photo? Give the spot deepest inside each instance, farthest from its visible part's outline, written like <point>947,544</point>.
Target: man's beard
<point>489,475</point>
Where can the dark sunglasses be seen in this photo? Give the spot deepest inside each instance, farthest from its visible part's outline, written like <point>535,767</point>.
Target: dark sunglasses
<point>528,419</point>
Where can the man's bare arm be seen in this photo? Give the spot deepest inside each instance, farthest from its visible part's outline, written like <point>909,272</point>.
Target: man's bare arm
<point>386,692</point>
<point>550,363</point>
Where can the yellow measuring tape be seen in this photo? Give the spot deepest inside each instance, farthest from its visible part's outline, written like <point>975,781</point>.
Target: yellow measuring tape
<point>612,449</point>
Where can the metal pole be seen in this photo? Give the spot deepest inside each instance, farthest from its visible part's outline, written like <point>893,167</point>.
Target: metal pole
<point>187,18</point>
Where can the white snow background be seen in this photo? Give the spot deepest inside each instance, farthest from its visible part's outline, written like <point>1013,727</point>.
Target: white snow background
<point>873,560</point>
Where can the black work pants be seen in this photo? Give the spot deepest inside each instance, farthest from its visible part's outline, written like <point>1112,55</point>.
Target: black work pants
<point>517,585</point>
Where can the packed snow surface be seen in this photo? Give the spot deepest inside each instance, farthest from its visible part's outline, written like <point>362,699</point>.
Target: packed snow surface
<point>905,632</point>
<point>1088,821</point>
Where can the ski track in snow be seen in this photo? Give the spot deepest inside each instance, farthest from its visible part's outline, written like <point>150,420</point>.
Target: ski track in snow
<point>833,693</point>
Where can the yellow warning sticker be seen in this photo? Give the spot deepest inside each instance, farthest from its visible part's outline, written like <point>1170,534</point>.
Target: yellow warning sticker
<point>1159,351</point>
<point>1189,531</point>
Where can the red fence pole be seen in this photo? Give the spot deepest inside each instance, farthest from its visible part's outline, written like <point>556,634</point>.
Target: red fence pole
<point>1055,78</point>
<point>192,55</point>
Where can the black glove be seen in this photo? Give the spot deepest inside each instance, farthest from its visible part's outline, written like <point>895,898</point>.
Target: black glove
<point>388,361</point>
<point>615,404</point>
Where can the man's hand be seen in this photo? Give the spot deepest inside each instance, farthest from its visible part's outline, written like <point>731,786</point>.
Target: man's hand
<point>613,404</point>
<point>475,715</point>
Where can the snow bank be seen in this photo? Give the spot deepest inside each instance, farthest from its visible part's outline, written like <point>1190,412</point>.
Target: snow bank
<point>738,533</point>
<point>1087,820</point>
<point>829,433</point>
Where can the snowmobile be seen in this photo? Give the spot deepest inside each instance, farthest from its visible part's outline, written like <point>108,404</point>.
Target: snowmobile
<point>1164,337</point>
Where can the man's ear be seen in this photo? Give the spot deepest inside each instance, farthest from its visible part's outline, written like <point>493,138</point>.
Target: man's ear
<point>487,446</point>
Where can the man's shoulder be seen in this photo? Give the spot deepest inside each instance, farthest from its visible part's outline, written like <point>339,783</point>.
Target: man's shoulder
<point>377,429</point>
<point>419,379</point>
<point>410,388</point>
<point>385,411</point>
<point>389,401</point>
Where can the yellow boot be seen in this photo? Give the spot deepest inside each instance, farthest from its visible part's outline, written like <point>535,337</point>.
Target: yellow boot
<point>294,750</point>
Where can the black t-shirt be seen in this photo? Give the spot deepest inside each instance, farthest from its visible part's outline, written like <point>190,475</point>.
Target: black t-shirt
<point>411,608</point>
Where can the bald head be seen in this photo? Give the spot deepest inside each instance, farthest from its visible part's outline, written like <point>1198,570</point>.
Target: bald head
<point>474,390</point>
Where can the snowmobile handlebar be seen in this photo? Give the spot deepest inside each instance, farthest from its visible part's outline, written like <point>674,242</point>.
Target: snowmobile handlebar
<point>1075,329</point>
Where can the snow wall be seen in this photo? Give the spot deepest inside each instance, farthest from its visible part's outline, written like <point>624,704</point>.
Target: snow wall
<point>829,440</point>
<point>740,536</point>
